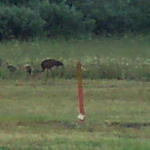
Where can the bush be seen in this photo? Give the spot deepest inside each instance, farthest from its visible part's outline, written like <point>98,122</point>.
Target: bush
<point>25,18</point>
<point>64,20</point>
<point>16,2</point>
<point>119,16</point>
<point>18,22</point>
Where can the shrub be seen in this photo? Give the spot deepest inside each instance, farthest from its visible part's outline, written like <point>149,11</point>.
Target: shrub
<point>64,20</point>
<point>18,22</point>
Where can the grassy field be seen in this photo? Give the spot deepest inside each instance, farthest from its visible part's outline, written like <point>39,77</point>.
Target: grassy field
<point>39,113</point>
<point>130,46</point>
<point>114,57</point>
<point>42,115</point>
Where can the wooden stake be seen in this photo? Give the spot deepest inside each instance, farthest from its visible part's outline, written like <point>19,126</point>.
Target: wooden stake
<point>81,115</point>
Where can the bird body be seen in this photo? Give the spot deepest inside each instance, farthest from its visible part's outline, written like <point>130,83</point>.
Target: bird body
<point>28,69</point>
<point>50,63</point>
<point>11,68</point>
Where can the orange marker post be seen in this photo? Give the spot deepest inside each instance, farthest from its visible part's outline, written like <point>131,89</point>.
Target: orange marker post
<point>81,115</point>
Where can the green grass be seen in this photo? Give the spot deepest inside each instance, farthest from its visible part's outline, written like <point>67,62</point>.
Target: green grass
<point>125,57</point>
<point>38,114</point>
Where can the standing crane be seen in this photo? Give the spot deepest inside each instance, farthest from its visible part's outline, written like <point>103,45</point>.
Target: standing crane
<point>11,67</point>
<point>28,69</point>
<point>48,64</point>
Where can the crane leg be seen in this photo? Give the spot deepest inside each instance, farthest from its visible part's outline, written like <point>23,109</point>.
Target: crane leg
<point>47,73</point>
<point>62,71</point>
<point>51,73</point>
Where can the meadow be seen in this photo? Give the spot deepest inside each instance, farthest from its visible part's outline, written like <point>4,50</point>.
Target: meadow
<point>126,57</point>
<point>39,113</point>
<point>43,115</point>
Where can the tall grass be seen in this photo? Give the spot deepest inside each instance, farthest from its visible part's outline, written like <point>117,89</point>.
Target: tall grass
<point>125,57</point>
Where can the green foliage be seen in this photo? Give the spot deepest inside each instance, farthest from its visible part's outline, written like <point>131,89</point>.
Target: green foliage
<point>17,2</point>
<point>119,16</point>
<point>76,18</point>
<point>63,20</point>
<point>18,22</point>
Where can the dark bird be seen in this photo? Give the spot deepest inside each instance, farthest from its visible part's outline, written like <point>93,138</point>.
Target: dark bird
<point>11,68</point>
<point>50,63</point>
<point>28,69</point>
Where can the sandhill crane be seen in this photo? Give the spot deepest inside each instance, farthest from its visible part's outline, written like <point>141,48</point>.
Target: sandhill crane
<point>48,64</point>
<point>11,67</point>
<point>28,68</point>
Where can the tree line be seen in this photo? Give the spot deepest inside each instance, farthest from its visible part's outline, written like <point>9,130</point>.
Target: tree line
<point>24,19</point>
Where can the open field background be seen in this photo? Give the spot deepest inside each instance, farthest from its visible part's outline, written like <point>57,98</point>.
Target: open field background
<point>111,39</point>
<point>43,115</point>
<point>113,57</point>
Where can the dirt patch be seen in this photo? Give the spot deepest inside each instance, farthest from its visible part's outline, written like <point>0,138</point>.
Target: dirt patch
<point>56,124</point>
<point>52,123</point>
<point>129,124</point>
<point>107,86</point>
